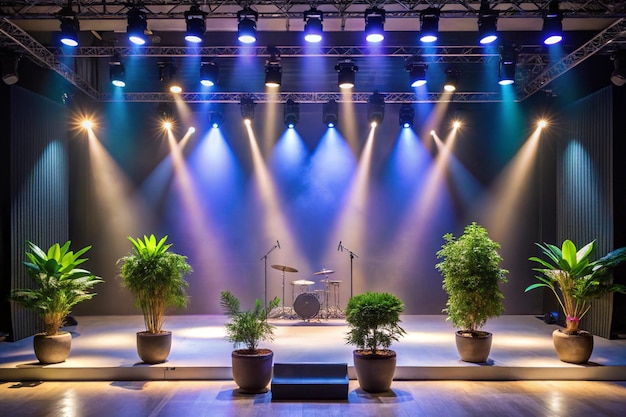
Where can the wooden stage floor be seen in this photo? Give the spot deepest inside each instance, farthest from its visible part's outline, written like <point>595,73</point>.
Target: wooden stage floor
<point>103,349</point>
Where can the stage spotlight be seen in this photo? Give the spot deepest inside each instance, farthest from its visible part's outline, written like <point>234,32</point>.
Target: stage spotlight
<point>553,24</point>
<point>374,25</point>
<point>542,123</point>
<point>313,27</point>
<point>10,63</point>
<point>291,113</point>
<point>508,60</point>
<point>406,115</point>
<point>167,76</point>
<point>456,124</point>
<point>196,24</point>
<point>216,119</point>
<point>69,26</point>
<point>618,76</point>
<point>117,71</point>
<point>273,69</point>
<point>375,109</point>
<point>417,72</point>
<point>137,26</point>
<point>347,71</point>
<point>209,73</point>
<point>487,24</point>
<point>452,76</point>
<point>247,109</point>
<point>429,24</point>
<point>86,124</point>
<point>247,19</point>
<point>330,113</point>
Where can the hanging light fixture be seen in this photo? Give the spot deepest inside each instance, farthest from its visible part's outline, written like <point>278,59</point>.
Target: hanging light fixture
<point>452,75</point>
<point>552,24</point>
<point>167,75</point>
<point>247,109</point>
<point>406,116</point>
<point>487,24</point>
<point>273,69</point>
<point>117,71</point>
<point>137,26</point>
<point>70,27</point>
<point>374,24</point>
<point>508,61</point>
<point>313,27</point>
<point>417,71</point>
<point>330,113</point>
<point>429,25</point>
<point>209,73</point>
<point>346,73</point>
<point>216,119</point>
<point>10,62</point>
<point>291,113</point>
<point>376,109</point>
<point>247,19</point>
<point>196,24</point>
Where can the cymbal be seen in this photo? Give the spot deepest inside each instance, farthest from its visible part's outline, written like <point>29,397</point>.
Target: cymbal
<point>284,268</point>
<point>302,282</point>
<point>324,271</point>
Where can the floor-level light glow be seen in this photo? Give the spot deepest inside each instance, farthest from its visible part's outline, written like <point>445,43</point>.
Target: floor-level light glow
<point>86,124</point>
<point>456,124</point>
<point>167,125</point>
<point>542,123</point>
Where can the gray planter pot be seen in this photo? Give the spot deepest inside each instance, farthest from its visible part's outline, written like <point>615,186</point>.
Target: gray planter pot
<point>573,348</point>
<point>154,348</point>
<point>52,349</point>
<point>374,372</point>
<point>475,348</point>
<point>252,372</point>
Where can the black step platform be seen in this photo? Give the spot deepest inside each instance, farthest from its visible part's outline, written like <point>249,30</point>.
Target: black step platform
<point>310,381</point>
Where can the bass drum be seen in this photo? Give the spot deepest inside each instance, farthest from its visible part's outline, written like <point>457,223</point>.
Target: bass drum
<point>306,305</point>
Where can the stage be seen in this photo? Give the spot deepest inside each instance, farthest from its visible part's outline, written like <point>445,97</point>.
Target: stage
<point>103,349</point>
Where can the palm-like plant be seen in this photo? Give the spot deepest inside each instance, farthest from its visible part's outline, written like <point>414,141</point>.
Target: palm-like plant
<point>247,327</point>
<point>156,278</point>
<point>576,281</point>
<point>60,285</point>
<point>374,321</point>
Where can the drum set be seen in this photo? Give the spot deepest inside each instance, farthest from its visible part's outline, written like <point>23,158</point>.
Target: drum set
<point>311,304</point>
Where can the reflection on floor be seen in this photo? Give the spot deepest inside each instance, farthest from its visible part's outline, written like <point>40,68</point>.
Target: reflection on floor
<point>103,348</point>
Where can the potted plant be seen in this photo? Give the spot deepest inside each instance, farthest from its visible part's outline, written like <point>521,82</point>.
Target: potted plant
<point>252,366</point>
<point>471,278</point>
<point>156,279</point>
<point>374,323</point>
<point>59,286</point>
<point>576,281</point>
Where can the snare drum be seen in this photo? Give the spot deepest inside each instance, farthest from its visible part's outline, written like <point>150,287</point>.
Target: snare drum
<point>307,305</point>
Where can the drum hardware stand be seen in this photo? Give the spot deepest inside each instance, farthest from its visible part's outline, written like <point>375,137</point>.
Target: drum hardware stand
<point>352,256</point>
<point>283,312</point>
<point>264,258</point>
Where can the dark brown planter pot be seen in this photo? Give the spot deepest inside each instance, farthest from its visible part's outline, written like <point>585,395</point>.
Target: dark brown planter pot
<point>374,372</point>
<point>154,348</point>
<point>474,347</point>
<point>52,349</point>
<point>252,372</point>
<point>573,348</point>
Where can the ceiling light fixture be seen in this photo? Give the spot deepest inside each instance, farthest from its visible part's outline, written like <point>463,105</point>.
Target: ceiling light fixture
<point>508,60</point>
<point>346,73</point>
<point>291,113</point>
<point>196,24</point>
<point>417,71</point>
<point>209,73</point>
<point>247,104</point>
<point>618,76</point>
<point>70,27</point>
<point>167,75</point>
<point>376,109</point>
<point>552,24</point>
<point>216,119</point>
<point>137,26</point>
<point>273,69</point>
<point>313,27</point>
<point>374,24</point>
<point>247,19</point>
<point>429,25</point>
<point>117,71</point>
<point>452,75</point>
<point>406,116</point>
<point>330,113</point>
<point>487,24</point>
<point>10,63</point>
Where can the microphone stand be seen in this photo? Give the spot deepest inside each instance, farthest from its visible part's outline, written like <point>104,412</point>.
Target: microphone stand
<point>264,258</point>
<point>352,256</point>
